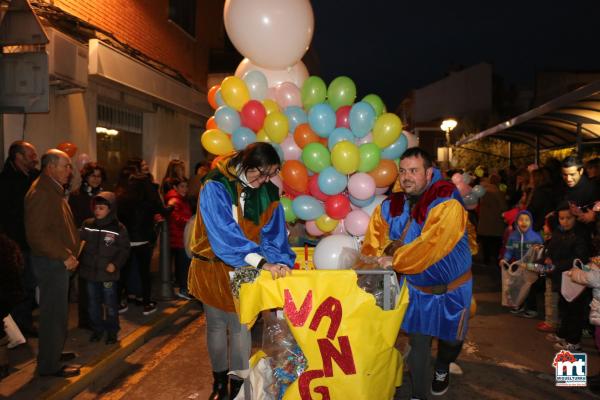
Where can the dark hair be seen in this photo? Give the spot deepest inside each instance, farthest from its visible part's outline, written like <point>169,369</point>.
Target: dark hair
<point>418,152</point>
<point>136,163</point>
<point>594,162</point>
<point>256,155</point>
<point>89,168</point>
<point>541,177</point>
<point>101,201</point>
<point>170,183</point>
<point>572,161</point>
<point>563,206</point>
<point>15,148</point>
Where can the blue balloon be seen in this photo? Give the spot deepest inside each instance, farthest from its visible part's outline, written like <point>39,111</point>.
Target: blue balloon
<point>361,203</point>
<point>322,119</point>
<point>242,137</point>
<point>478,191</point>
<point>257,84</point>
<point>362,118</point>
<point>296,116</point>
<point>219,98</point>
<point>279,151</point>
<point>395,149</point>
<point>339,135</point>
<point>332,182</point>
<point>227,119</point>
<point>307,208</point>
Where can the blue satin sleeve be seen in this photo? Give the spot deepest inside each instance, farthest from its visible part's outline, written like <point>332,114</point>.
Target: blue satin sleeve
<point>226,238</point>
<point>274,244</point>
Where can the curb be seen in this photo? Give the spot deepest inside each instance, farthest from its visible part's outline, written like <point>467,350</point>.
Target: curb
<point>92,371</point>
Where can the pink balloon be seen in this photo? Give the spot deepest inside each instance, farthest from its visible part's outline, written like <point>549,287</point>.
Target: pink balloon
<point>361,186</point>
<point>464,189</point>
<point>339,229</point>
<point>381,190</point>
<point>356,222</point>
<point>368,138</point>
<point>313,188</point>
<point>287,94</point>
<point>343,117</point>
<point>291,151</point>
<point>457,179</point>
<point>278,182</point>
<point>312,229</point>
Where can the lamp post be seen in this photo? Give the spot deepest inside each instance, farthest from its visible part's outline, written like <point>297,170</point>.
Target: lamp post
<point>444,152</point>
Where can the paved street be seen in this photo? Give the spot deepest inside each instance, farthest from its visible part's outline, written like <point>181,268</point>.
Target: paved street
<point>504,357</point>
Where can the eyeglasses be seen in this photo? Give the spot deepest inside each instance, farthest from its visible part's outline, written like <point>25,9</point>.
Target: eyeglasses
<point>265,174</point>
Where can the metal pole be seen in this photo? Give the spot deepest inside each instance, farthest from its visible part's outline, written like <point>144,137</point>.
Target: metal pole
<point>164,263</point>
<point>578,140</point>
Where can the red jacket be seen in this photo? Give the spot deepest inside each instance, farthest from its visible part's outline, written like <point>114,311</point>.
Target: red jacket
<point>180,215</point>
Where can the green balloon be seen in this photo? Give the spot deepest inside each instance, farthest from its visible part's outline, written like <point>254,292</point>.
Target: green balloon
<point>341,92</point>
<point>313,92</point>
<point>375,102</point>
<point>316,157</point>
<point>370,155</point>
<point>287,209</point>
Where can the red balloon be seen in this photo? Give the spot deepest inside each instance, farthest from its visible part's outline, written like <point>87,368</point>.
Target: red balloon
<point>343,117</point>
<point>68,148</point>
<point>337,206</point>
<point>253,115</point>
<point>291,193</point>
<point>313,188</point>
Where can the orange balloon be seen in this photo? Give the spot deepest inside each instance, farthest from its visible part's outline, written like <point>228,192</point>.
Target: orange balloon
<point>211,123</point>
<point>324,141</point>
<point>212,92</point>
<point>68,148</point>
<point>304,135</point>
<point>295,175</point>
<point>385,173</point>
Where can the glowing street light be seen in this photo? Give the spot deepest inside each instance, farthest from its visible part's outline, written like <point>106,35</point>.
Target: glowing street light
<point>447,126</point>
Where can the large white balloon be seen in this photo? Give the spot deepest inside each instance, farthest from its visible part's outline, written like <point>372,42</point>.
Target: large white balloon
<point>336,252</point>
<point>272,33</point>
<point>296,74</point>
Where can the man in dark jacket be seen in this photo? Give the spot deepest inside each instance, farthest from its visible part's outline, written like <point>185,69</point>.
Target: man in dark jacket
<point>105,252</point>
<point>580,192</point>
<point>15,180</point>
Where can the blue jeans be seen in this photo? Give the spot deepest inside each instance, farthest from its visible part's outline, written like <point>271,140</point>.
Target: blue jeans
<point>106,293</point>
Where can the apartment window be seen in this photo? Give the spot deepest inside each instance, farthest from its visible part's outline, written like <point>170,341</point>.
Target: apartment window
<point>183,14</point>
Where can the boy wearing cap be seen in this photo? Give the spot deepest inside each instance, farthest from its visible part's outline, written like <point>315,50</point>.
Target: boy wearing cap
<point>105,252</point>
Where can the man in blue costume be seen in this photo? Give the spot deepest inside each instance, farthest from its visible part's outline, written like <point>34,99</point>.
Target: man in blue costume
<point>422,233</point>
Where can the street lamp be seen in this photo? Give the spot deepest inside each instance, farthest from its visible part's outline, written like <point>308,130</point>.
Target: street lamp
<point>444,153</point>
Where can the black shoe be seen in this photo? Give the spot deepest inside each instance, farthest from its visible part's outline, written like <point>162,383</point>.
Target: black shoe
<point>67,371</point>
<point>96,337</point>
<point>440,383</point>
<point>149,308</point>
<point>111,338</point>
<point>234,387</point>
<point>67,356</point>
<point>219,391</point>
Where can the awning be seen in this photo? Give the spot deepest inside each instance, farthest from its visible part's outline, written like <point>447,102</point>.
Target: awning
<point>568,120</point>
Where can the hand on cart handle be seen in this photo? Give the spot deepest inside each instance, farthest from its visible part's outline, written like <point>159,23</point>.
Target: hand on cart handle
<point>277,270</point>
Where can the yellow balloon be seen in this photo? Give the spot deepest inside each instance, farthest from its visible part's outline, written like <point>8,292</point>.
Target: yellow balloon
<point>270,106</point>
<point>216,142</point>
<point>234,92</point>
<point>326,223</point>
<point>345,157</point>
<point>262,136</point>
<point>276,125</point>
<point>387,130</point>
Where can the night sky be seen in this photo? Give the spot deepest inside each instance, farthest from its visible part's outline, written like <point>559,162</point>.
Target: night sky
<point>389,47</point>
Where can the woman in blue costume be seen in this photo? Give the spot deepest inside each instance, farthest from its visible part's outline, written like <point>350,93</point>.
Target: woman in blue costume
<point>422,233</point>
<point>239,223</point>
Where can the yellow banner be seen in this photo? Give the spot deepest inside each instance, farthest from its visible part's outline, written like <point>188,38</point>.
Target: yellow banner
<point>347,339</point>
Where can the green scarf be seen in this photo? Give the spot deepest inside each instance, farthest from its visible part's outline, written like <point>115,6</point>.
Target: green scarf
<point>257,201</point>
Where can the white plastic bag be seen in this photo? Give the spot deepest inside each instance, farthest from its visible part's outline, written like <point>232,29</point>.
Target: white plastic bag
<point>569,289</point>
<point>15,337</point>
<point>516,283</point>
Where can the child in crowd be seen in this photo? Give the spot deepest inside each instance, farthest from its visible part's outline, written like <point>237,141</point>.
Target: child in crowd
<point>568,242</point>
<point>178,218</point>
<point>519,242</point>
<point>105,252</point>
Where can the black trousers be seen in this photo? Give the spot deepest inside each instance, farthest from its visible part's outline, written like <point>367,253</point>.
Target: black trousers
<point>490,248</point>
<point>142,256</point>
<point>419,361</point>
<point>573,316</point>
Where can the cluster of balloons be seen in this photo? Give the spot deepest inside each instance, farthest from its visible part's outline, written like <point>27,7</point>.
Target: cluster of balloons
<point>470,195</point>
<point>337,154</point>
